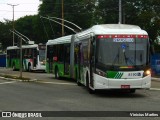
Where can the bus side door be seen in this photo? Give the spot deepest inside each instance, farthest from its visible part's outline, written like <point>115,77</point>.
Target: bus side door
<point>66,59</point>
<point>91,54</point>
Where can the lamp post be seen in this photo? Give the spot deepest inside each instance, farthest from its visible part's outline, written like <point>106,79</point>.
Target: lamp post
<point>13,19</point>
<point>120,11</point>
<point>20,58</point>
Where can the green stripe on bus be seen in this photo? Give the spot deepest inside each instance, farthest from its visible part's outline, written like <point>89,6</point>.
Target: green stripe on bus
<point>114,74</point>
<point>111,74</point>
<point>121,74</point>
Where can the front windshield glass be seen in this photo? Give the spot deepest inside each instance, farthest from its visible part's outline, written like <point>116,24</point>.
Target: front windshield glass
<point>122,51</point>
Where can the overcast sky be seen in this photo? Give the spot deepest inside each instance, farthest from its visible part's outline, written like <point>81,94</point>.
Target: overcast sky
<point>23,8</point>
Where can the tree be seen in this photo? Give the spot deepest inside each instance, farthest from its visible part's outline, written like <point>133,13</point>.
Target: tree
<point>32,27</point>
<point>84,13</point>
<point>108,11</point>
<point>144,13</point>
<point>5,34</point>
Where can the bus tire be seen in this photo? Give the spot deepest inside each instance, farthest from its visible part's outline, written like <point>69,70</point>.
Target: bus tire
<point>56,73</point>
<point>29,68</point>
<point>132,90</point>
<point>87,85</point>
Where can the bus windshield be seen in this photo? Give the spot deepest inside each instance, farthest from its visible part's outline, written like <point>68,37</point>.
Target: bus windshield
<point>122,51</point>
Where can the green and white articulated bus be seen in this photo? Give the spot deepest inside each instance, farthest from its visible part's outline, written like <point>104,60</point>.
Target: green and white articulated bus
<point>58,56</point>
<point>108,56</point>
<point>33,57</point>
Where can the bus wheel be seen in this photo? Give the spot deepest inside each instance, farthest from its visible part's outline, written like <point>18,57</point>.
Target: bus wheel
<point>29,68</point>
<point>56,73</point>
<point>132,91</point>
<point>87,85</point>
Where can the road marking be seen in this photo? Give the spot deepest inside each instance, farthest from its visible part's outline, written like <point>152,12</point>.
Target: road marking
<point>33,80</point>
<point>154,88</point>
<point>57,83</point>
<point>7,82</point>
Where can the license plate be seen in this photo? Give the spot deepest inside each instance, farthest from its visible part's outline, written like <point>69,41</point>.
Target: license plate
<point>125,86</point>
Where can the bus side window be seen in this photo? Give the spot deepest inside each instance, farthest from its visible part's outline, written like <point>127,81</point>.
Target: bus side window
<point>68,54</point>
<point>53,52</point>
<point>76,52</point>
<point>61,53</point>
<point>30,53</point>
<point>81,54</point>
<point>85,51</point>
<point>34,53</point>
<point>14,54</point>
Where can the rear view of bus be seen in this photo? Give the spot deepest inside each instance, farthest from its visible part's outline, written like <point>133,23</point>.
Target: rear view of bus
<point>33,57</point>
<point>122,58</point>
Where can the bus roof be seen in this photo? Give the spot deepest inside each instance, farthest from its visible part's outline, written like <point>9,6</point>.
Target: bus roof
<point>104,29</point>
<point>23,46</point>
<point>65,39</point>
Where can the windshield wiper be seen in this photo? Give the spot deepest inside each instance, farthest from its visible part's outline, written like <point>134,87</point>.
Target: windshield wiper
<point>127,59</point>
<point>115,59</point>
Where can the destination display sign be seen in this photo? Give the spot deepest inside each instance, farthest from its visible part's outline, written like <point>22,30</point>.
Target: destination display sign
<point>123,39</point>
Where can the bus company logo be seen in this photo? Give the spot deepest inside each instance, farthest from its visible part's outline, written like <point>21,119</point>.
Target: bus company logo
<point>134,74</point>
<point>6,114</point>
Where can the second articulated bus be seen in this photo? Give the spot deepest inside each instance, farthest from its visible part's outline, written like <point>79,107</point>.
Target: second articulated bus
<point>108,56</point>
<point>33,57</point>
<point>58,56</point>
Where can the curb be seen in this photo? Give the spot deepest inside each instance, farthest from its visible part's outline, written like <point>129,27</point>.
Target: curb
<point>11,79</point>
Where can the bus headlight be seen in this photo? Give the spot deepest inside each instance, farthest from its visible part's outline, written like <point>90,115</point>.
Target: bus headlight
<point>101,73</point>
<point>147,72</point>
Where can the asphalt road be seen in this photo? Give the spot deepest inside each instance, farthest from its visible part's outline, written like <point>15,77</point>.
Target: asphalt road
<point>49,94</point>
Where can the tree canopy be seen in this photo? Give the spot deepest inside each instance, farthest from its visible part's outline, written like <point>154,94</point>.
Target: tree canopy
<point>84,13</point>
